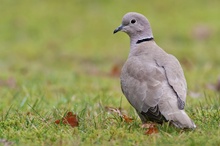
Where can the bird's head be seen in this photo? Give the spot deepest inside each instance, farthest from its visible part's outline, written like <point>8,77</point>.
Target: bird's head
<point>135,25</point>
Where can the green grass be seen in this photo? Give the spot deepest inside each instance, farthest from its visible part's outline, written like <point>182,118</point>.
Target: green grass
<point>56,56</point>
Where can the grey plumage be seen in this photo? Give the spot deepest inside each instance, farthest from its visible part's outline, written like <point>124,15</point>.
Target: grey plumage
<point>152,80</point>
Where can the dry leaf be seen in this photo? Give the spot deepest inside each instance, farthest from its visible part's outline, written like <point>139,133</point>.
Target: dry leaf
<point>187,63</point>
<point>216,86</point>
<point>69,119</point>
<point>115,70</point>
<point>114,110</point>
<point>146,125</point>
<point>127,119</point>
<point>152,130</point>
<point>118,112</point>
<point>57,121</point>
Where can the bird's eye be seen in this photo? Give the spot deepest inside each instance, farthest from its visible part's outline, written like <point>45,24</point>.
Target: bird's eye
<point>133,21</point>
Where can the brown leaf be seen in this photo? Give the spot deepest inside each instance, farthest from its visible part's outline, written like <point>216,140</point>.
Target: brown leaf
<point>146,125</point>
<point>57,121</point>
<point>187,63</point>
<point>115,70</point>
<point>114,110</point>
<point>127,119</point>
<point>152,130</point>
<point>69,119</point>
<point>118,112</point>
<point>215,87</point>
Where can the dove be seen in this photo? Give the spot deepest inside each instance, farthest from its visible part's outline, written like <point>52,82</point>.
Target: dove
<point>152,80</point>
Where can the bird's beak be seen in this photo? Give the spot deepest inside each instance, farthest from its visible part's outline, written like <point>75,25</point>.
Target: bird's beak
<point>118,29</point>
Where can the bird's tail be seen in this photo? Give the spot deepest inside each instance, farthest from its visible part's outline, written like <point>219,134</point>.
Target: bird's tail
<point>181,120</point>
<point>177,117</point>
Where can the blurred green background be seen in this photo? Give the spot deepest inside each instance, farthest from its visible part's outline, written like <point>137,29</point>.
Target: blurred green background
<point>58,56</point>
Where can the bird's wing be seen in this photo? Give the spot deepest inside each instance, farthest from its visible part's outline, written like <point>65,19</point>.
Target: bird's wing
<point>141,83</point>
<point>175,77</point>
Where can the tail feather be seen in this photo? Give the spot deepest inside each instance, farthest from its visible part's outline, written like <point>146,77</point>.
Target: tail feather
<point>177,117</point>
<point>168,111</point>
<point>181,120</point>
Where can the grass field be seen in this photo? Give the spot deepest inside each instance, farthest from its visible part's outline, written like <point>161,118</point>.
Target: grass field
<point>58,56</point>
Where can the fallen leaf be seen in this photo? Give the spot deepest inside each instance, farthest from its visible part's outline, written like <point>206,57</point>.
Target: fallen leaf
<point>146,125</point>
<point>57,121</point>
<point>187,63</point>
<point>215,87</point>
<point>127,119</point>
<point>70,119</point>
<point>119,112</point>
<point>115,70</point>
<point>114,110</point>
<point>151,128</point>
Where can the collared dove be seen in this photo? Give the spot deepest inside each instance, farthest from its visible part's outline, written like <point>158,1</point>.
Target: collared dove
<point>152,80</point>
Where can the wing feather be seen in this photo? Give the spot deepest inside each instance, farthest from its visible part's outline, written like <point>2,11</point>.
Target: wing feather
<point>142,85</point>
<point>175,78</point>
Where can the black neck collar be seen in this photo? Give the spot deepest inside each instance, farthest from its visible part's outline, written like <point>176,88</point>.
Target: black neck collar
<point>144,40</point>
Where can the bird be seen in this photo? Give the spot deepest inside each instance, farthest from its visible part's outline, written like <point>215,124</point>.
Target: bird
<point>152,80</point>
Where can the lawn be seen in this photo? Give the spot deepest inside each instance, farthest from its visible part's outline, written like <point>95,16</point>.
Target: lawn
<point>61,56</point>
